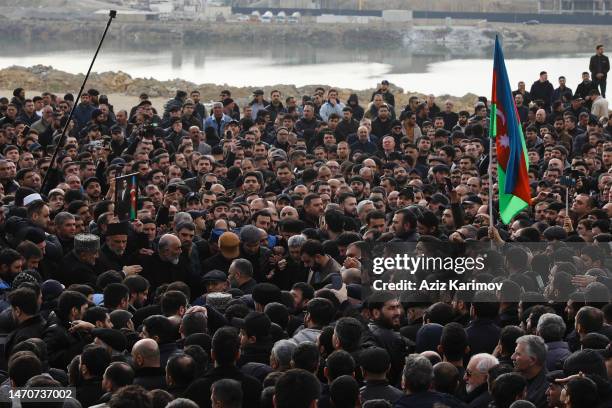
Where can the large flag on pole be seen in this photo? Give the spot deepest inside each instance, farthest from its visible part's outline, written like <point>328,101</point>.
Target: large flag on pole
<point>505,128</point>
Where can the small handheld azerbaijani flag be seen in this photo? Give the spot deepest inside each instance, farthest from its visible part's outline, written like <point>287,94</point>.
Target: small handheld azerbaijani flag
<point>133,198</point>
<point>512,160</point>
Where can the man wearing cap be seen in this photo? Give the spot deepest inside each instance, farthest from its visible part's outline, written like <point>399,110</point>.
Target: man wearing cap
<point>384,91</point>
<point>112,340</point>
<point>230,106</point>
<point>257,103</point>
<point>215,281</point>
<point>113,254</point>
<point>252,250</point>
<point>189,117</point>
<point>229,249</point>
<point>175,132</point>
<point>176,102</point>
<point>78,266</point>
<point>118,142</point>
<point>93,189</point>
<point>174,112</point>
<point>471,204</point>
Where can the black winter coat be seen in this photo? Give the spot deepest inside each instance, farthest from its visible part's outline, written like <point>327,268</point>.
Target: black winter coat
<point>63,346</point>
<point>199,390</point>
<point>73,271</point>
<point>33,327</point>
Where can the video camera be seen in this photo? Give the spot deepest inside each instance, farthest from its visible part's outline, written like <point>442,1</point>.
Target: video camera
<point>147,130</point>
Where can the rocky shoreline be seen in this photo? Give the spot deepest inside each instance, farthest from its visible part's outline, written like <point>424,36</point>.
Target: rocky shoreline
<point>44,78</point>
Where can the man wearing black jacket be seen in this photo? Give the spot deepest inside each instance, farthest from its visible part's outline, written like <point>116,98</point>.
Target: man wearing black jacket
<point>79,265</point>
<point>542,90</point>
<point>375,363</point>
<point>30,323</point>
<point>386,94</point>
<point>148,373</point>
<point>404,226</point>
<point>94,361</point>
<point>348,125</point>
<point>584,88</point>
<point>599,67</point>
<point>385,311</point>
<point>229,249</point>
<point>167,265</point>
<point>284,179</point>
<point>225,353</point>
<point>65,340</point>
<point>255,341</point>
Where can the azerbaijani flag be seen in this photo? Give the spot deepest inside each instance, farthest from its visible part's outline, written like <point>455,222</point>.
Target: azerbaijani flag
<point>133,198</point>
<point>512,160</point>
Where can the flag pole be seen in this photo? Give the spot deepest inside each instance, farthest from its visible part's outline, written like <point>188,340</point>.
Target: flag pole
<point>491,181</point>
<point>491,186</point>
<point>492,122</point>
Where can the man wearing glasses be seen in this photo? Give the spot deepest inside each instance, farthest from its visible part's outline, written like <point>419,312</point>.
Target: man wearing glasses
<point>475,377</point>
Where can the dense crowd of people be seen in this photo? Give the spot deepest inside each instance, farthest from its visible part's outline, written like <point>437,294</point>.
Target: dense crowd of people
<point>230,265</point>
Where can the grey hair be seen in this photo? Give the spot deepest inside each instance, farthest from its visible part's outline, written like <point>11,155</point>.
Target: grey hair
<point>551,327</point>
<point>282,351</point>
<point>182,217</point>
<point>182,403</point>
<point>485,362</point>
<point>534,346</point>
<point>296,241</point>
<point>418,373</point>
<point>217,105</point>
<point>522,403</point>
<point>244,266</point>
<point>62,217</point>
<point>164,241</point>
<point>362,205</point>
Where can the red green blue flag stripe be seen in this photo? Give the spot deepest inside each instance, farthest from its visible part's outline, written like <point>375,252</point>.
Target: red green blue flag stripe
<point>512,159</point>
